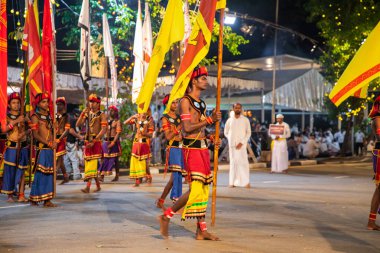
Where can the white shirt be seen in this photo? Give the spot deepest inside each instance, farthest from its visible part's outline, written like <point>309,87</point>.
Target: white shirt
<point>237,130</point>
<point>339,137</point>
<point>359,136</point>
<point>310,146</point>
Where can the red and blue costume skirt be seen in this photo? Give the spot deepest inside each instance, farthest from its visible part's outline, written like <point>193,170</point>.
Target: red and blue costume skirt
<point>91,160</point>
<point>110,156</point>
<point>140,155</point>
<point>43,183</point>
<point>174,162</point>
<point>376,163</point>
<point>13,169</point>
<point>61,147</point>
<point>197,163</point>
<point>2,150</point>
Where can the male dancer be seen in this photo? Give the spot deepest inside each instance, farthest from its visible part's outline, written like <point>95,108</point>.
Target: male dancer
<point>97,127</point>
<point>140,147</point>
<point>171,124</point>
<point>196,157</point>
<point>42,128</point>
<point>16,156</point>
<point>111,146</point>
<point>62,126</point>
<point>375,116</point>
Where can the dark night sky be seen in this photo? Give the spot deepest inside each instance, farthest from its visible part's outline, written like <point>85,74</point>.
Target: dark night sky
<point>291,15</point>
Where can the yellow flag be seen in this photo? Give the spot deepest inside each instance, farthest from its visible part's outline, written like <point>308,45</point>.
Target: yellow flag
<point>197,47</point>
<point>363,68</point>
<point>172,30</point>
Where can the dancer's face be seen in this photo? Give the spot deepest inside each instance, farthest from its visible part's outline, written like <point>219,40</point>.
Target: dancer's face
<point>201,82</point>
<point>14,105</point>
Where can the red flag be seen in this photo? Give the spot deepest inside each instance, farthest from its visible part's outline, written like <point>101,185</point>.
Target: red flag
<point>31,43</point>
<point>47,39</point>
<point>3,63</point>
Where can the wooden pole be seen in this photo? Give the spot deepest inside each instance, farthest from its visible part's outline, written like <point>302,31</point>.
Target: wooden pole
<point>217,125</point>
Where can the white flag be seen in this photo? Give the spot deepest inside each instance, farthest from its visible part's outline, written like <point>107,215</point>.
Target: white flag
<point>108,52</point>
<point>85,47</point>
<point>187,27</point>
<point>147,38</point>
<point>138,68</point>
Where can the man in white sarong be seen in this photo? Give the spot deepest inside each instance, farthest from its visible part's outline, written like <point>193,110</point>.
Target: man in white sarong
<point>238,131</point>
<point>280,148</point>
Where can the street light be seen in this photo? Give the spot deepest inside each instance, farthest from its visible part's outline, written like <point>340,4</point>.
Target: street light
<point>229,19</point>
<point>274,67</point>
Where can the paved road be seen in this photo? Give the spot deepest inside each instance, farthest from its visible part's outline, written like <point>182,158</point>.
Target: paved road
<point>320,208</point>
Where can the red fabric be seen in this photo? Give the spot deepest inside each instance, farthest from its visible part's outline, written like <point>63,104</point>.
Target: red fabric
<point>61,147</point>
<point>140,149</point>
<point>197,164</point>
<point>47,39</point>
<point>3,64</point>
<point>95,152</point>
<point>31,43</point>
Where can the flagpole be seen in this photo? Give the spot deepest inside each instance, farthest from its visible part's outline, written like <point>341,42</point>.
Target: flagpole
<point>217,125</point>
<point>106,76</point>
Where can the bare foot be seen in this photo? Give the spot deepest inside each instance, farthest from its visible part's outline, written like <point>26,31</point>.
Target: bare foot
<point>205,236</point>
<point>231,186</point>
<point>64,181</point>
<point>248,186</point>
<point>164,226</point>
<point>10,200</point>
<point>159,203</point>
<point>97,189</point>
<point>115,179</point>
<point>86,190</point>
<point>373,226</point>
<point>33,203</point>
<point>22,199</point>
<point>48,203</point>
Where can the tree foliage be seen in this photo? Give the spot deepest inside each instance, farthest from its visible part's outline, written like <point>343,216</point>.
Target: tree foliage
<point>344,25</point>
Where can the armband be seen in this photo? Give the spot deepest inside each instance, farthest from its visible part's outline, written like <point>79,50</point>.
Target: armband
<point>209,120</point>
<point>10,126</point>
<point>103,124</point>
<point>33,126</point>
<point>378,131</point>
<point>185,117</point>
<point>67,126</point>
<point>166,126</point>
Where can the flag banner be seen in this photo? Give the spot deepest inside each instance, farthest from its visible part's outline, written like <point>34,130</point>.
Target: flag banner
<point>147,38</point>
<point>363,68</point>
<point>47,42</point>
<point>31,44</point>
<point>171,31</point>
<point>85,47</point>
<point>3,64</point>
<point>197,48</point>
<point>108,52</point>
<point>138,67</point>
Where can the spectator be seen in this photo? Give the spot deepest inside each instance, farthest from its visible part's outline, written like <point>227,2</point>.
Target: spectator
<point>359,137</point>
<point>311,148</point>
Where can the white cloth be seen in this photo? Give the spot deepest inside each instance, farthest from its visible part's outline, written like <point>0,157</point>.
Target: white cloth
<point>339,137</point>
<point>280,158</point>
<point>359,136</point>
<point>238,130</point>
<point>311,149</point>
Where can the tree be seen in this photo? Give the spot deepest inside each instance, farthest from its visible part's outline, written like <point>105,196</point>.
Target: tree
<point>343,24</point>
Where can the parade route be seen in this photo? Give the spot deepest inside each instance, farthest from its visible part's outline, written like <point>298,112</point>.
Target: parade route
<point>317,208</point>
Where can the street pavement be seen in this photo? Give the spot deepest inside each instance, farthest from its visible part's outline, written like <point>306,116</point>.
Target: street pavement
<point>313,208</point>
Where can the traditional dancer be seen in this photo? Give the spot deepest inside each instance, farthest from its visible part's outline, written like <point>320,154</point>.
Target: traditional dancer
<point>111,146</point>
<point>96,128</point>
<point>149,136</point>
<point>62,127</point>
<point>140,147</point>
<point>375,116</point>
<point>196,157</point>
<point>16,156</point>
<point>3,140</point>
<point>171,124</point>
<point>42,128</point>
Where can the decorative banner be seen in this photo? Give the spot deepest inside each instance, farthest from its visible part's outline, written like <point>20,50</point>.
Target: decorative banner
<point>171,31</point>
<point>363,68</point>
<point>47,43</point>
<point>147,38</point>
<point>108,51</point>
<point>85,47</point>
<point>197,48</point>
<point>3,64</point>
<point>138,67</point>
<point>31,44</point>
